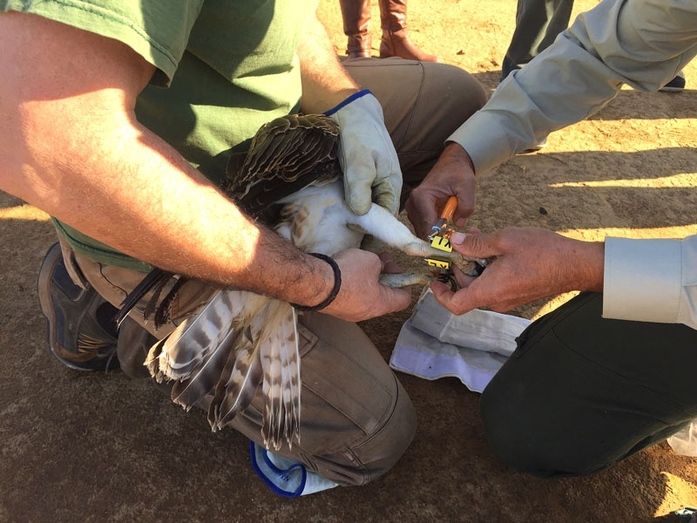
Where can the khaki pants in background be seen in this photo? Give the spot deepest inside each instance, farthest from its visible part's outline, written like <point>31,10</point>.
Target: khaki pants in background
<point>357,419</point>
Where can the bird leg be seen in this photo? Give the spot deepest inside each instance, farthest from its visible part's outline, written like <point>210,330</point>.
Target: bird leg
<point>406,279</point>
<point>379,223</point>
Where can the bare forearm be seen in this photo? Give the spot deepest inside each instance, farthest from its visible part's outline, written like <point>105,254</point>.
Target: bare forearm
<point>71,145</point>
<point>117,182</point>
<point>325,81</point>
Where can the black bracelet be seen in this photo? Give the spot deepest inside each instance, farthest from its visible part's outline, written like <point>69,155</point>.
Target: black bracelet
<point>335,289</point>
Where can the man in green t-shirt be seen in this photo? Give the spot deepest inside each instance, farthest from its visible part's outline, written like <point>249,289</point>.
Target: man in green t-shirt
<point>118,119</point>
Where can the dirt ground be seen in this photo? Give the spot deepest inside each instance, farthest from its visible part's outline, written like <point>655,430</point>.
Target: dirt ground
<point>92,447</point>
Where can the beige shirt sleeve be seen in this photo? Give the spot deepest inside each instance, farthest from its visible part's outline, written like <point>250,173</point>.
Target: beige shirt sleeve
<point>643,43</point>
<point>651,280</point>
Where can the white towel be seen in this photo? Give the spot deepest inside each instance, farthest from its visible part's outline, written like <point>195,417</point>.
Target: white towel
<point>435,343</point>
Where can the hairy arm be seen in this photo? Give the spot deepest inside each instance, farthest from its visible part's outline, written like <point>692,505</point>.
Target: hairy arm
<point>526,264</point>
<point>325,81</point>
<point>71,145</point>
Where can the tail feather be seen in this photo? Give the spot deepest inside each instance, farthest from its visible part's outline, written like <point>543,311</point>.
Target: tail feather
<point>196,352</point>
<point>220,386</point>
<point>194,340</point>
<point>156,279</point>
<point>237,342</point>
<point>290,365</point>
<point>189,392</point>
<point>240,389</point>
<point>152,361</point>
<point>279,354</point>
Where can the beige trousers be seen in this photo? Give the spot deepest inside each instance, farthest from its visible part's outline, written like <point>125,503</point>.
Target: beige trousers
<point>357,419</point>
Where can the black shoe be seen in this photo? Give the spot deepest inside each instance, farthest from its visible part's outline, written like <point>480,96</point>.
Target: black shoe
<point>81,327</point>
<point>676,85</point>
<point>534,148</point>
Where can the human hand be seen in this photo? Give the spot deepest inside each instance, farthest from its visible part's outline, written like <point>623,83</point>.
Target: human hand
<point>367,156</point>
<point>361,296</point>
<point>452,174</point>
<point>528,264</point>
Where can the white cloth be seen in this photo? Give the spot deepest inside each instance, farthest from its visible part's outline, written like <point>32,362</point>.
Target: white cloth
<point>284,476</point>
<point>435,343</point>
<point>684,442</point>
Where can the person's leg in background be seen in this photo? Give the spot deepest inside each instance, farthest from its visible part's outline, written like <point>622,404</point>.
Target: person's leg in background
<point>395,39</point>
<point>582,392</point>
<point>356,17</point>
<point>538,22</point>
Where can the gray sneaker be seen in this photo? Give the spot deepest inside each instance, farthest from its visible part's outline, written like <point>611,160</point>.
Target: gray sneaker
<point>81,328</point>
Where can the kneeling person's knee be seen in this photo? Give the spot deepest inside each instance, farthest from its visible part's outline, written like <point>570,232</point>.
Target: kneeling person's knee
<point>376,452</point>
<point>528,434</point>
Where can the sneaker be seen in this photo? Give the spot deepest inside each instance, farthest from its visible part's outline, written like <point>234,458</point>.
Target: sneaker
<point>676,85</point>
<point>534,148</point>
<point>81,328</point>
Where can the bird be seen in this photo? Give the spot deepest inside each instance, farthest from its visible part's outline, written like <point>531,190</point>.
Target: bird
<point>290,179</point>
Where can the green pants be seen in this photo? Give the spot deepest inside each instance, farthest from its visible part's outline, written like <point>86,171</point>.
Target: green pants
<point>582,392</point>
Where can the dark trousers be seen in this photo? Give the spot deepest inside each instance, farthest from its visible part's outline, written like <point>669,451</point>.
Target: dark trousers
<point>538,22</point>
<point>582,392</point>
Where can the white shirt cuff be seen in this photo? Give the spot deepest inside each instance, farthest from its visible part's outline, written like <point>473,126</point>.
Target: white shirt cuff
<point>643,280</point>
<point>486,140</point>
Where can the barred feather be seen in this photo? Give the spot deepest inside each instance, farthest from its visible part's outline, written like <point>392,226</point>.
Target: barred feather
<point>280,361</point>
<point>196,351</point>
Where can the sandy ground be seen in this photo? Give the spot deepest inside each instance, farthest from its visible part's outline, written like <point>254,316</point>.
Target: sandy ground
<point>89,447</point>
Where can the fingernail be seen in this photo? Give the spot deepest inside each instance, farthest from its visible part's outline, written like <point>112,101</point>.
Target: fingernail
<point>458,237</point>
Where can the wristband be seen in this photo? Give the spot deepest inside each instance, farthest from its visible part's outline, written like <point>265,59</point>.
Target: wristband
<point>335,289</point>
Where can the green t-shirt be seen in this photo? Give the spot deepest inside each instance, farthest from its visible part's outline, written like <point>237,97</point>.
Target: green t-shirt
<point>228,67</point>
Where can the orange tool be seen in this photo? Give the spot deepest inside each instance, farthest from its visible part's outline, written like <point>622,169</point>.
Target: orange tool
<point>445,216</point>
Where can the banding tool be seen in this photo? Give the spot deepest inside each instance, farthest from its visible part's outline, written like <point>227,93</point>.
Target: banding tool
<point>440,235</point>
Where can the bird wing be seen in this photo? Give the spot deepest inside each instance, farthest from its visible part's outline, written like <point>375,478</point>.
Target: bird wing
<point>280,361</point>
<point>269,354</point>
<point>285,155</point>
<point>196,352</point>
<point>241,340</point>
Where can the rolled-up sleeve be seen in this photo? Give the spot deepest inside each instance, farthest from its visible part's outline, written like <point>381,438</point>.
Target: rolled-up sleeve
<point>651,280</point>
<point>643,43</point>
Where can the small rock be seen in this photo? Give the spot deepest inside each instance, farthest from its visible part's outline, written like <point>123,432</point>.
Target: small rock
<point>460,52</point>
<point>543,211</point>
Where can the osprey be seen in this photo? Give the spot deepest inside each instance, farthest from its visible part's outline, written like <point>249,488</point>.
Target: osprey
<point>291,179</point>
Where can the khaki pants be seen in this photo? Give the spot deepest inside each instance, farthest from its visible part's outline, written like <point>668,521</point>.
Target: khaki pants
<point>357,419</point>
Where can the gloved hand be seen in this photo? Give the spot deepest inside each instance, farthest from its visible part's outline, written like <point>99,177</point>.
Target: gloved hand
<point>366,153</point>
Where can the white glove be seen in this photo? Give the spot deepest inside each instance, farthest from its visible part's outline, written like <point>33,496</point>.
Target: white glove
<point>366,153</point>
